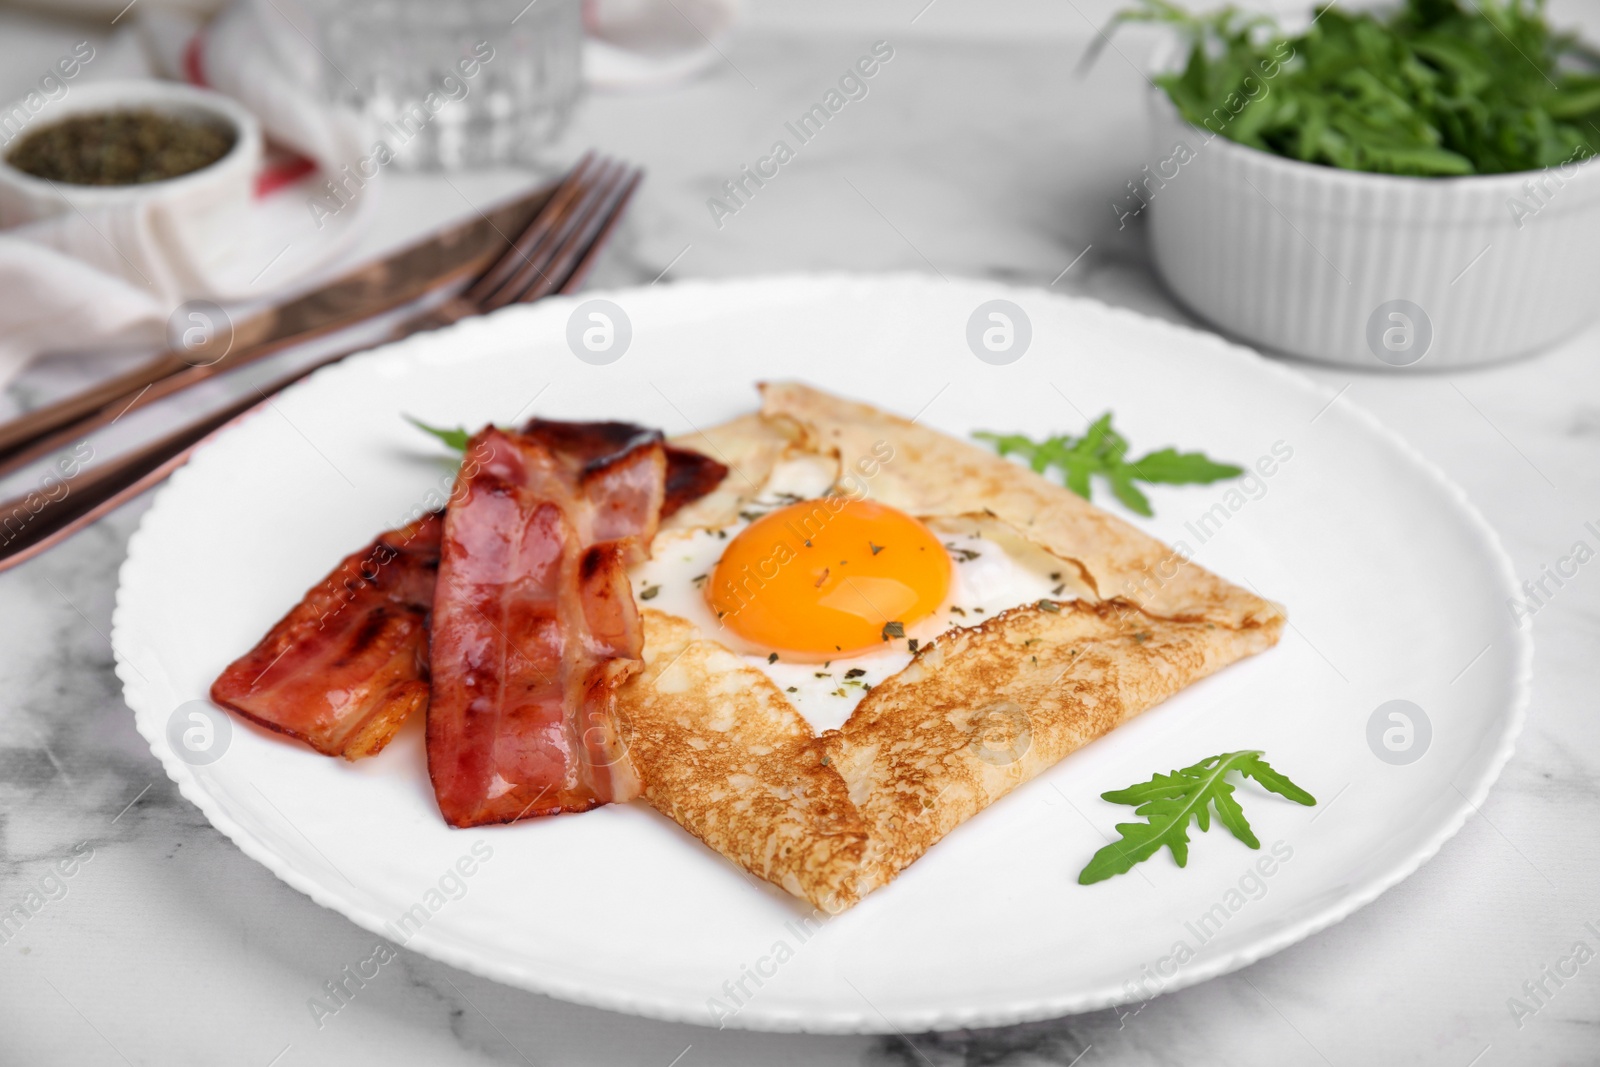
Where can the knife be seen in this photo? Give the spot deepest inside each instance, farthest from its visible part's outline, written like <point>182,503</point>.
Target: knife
<point>450,256</point>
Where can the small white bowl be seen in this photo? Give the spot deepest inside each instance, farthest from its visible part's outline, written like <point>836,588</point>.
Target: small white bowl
<point>1371,270</point>
<point>199,210</point>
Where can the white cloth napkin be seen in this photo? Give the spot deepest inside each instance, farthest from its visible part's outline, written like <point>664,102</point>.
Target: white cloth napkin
<point>84,278</point>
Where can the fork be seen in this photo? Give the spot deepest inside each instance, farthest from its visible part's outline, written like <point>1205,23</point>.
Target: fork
<point>553,255</point>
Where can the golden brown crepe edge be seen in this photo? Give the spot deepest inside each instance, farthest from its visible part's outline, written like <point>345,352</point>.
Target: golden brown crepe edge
<point>1115,558</point>
<point>986,708</point>
<point>725,755</point>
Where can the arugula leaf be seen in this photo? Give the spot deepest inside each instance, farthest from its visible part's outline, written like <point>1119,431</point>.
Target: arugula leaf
<point>1076,471</point>
<point>1102,451</point>
<point>1425,87</point>
<point>1123,489</point>
<point>1171,467</point>
<point>1168,802</point>
<point>456,438</point>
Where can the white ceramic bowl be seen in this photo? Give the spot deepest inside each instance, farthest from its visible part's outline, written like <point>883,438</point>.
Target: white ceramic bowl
<point>1371,270</point>
<point>199,210</point>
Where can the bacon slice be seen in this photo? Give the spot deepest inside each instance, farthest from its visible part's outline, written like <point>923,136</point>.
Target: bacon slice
<point>346,666</point>
<point>349,662</point>
<point>534,621</point>
<point>690,475</point>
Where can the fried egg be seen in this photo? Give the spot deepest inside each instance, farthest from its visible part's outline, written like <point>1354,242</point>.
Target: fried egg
<point>828,594</point>
<point>828,578</point>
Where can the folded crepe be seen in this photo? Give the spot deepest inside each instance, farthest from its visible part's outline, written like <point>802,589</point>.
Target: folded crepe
<point>725,755</point>
<point>979,711</point>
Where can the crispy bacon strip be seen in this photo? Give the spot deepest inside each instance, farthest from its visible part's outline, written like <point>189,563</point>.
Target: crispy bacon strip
<point>349,662</point>
<point>346,666</point>
<point>535,625</point>
<point>690,475</point>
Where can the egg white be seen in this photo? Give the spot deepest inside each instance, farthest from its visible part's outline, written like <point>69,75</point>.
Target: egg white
<point>992,569</point>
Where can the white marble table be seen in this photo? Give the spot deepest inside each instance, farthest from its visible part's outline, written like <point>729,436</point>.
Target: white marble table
<point>985,158</point>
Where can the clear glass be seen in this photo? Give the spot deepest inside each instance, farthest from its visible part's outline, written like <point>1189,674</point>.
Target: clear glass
<point>455,83</point>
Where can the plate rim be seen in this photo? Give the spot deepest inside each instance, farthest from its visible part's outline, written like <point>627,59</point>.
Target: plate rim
<point>766,1018</point>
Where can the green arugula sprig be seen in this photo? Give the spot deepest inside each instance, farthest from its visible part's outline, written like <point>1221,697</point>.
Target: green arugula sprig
<point>1168,802</point>
<point>456,438</point>
<point>1102,451</point>
<point>1425,88</point>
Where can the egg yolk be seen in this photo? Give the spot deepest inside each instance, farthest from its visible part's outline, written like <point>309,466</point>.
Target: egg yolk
<point>824,578</point>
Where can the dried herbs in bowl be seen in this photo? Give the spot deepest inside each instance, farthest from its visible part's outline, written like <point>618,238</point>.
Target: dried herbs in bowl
<point>121,148</point>
<point>1430,88</point>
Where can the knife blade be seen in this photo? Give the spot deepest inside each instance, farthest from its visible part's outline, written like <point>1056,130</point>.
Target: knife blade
<point>449,256</point>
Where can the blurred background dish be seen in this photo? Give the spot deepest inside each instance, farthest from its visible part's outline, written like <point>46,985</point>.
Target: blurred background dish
<point>1379,187</point>
<point>426,73</point>
<point>479,83</point>
<point>194,215</point>
<point>1317,262</point>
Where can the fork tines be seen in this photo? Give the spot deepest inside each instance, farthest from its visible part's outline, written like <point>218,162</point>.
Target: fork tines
<point>542,260</point>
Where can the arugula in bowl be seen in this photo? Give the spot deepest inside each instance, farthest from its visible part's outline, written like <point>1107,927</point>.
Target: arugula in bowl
<point>1431,88</point>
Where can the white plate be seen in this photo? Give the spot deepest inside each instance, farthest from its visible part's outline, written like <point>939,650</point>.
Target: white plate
<point>1395,586</point>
